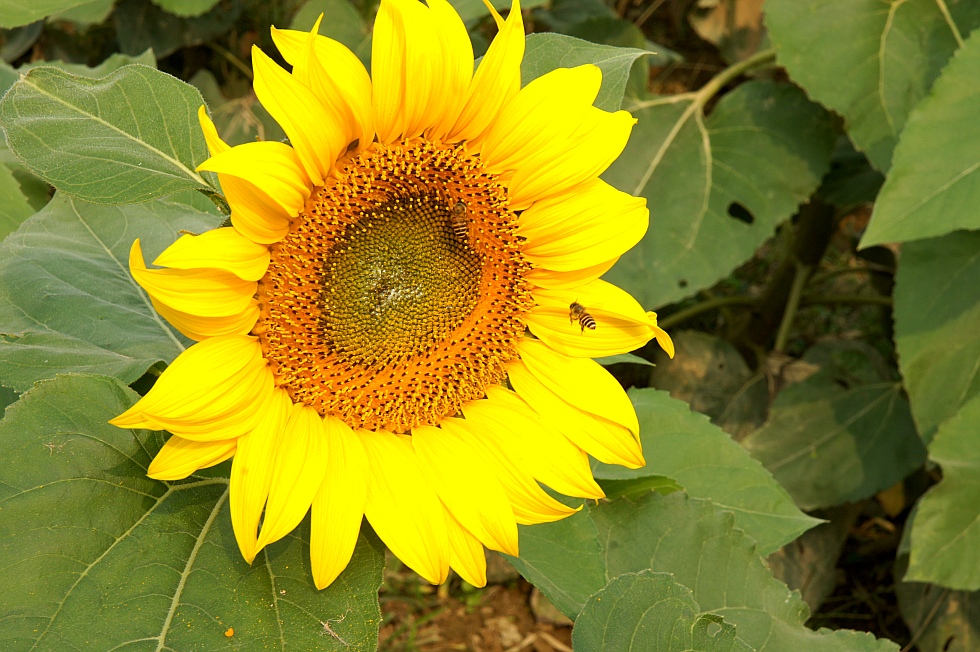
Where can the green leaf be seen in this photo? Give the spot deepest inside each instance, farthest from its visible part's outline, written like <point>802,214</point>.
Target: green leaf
<point>545,52</point>
<point>239,120</point>
<point>699,545</point>
<point>140,23</point>
<point>14,13</point>
<point>129,137</point>
<point>946,530</point>
<point>186,8</point>
<point>942,620</point>
<point>933,186</point>
<point>14,205</point>
<point>92,12</point>
<point>67,301</point>
<point>97,556</point>
<point>655,611</point>
<point>716,187</point>
<point>871,62</point>
<point>563,559</point>
<point>341,22</point>
<point>937,325</point>
<point>111,64</point>
<point>686,447</point>
<point>14,43</point>
<point>834,438</point>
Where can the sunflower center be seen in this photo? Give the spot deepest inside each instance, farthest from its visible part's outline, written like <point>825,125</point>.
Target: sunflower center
<point>396,282</point>
<point>399,293</point>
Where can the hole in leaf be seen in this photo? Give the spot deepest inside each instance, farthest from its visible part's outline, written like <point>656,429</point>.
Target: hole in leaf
<point>740,213</point>
<point>682,283</point>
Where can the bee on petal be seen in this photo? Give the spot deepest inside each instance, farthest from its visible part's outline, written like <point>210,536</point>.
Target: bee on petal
<point>576,311</point>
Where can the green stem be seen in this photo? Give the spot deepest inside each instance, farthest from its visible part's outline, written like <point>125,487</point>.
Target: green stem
<point>688,313</point>
<point>731,73</point>
<point>847,299</point>
<point>864,269</point>
<point>232,59</point>
<point>944,10</point>
<point>792,306</point>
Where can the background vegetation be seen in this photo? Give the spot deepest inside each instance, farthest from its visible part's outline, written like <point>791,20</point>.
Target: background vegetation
<point>812,169</point>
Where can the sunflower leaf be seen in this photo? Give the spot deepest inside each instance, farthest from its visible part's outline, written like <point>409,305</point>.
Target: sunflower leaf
<point>98,556</point>
<point>871,62</point>
<point>653,608</point>
<point>933,186</point>
<point>128,137</point>
<point>716,186</point>
<point>67,301</point>
<point>937,325</point>
<point>14,13</point>
<point>699,456</point>
<point>14,205</point>
<point>699,545</point>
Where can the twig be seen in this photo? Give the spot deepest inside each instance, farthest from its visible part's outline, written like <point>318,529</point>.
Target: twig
<point>232,59</point>
<point>649,12</point>
<point>846,298</point>
<point>792,306</point>
<point>554,642</point>
<point>920,630</point>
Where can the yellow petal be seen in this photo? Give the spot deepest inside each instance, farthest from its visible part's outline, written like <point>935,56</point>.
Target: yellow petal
<point>336,75</point>
<point>496,81</point>
<point>466,554</point>
<point>528,500</point>
<point>581,382</point>
<point>621,325</point>
<point>602,439</point>
<point>201,328</point>
<point>201,292</point>
<point>339,504</point>
<point>402,507</point>
<point>541,449</point>
<point>215,144</point>
<point>271,167</point>
<point>225,249</point>
<point>301,460</point>
<point>547,278</point>
<point>456,470</point>
<point>211,391</point>
<point>251,471</point>
<point>663,339</point>
<point>317,131</point>
<point>584,227</point>
<point>552,106</point>
<point>388,72</point>
<point>572,159</point>
<point>180,457</point>
<point>457,68</point>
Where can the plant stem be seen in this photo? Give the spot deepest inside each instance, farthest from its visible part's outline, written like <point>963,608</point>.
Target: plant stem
<point>731,73</point>
<point>847,298</point>
<point>867,268</point>
<point>688,313</point>
<point>792,306</point>
<point>232,59</point>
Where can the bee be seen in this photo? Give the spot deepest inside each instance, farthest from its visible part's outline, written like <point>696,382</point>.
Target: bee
<point>577,311</point>
<point>460,226</point>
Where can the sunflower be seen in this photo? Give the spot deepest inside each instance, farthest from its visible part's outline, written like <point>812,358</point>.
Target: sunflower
<point>385,331</point>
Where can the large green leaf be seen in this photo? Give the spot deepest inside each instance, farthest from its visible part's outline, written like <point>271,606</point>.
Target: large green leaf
<point>545,52</point>
<point>835,437</point>
<point>716,187</point>
<point>937,325</point>
<point>933,186</point>
<point>67,300</point>
<point>870,61</point>
<point>687,447</point>
<point>14,13</point>
<point>699,545</point>
<point>14,205</point>
<point>128,137</point>
<point>946,530</point>
<point>655,612</point>
<point>97,556</point>
<point>186,8</point>
<point>564,560</point>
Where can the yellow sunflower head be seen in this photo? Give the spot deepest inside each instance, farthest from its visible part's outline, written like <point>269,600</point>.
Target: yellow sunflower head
<point>399,323</point>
